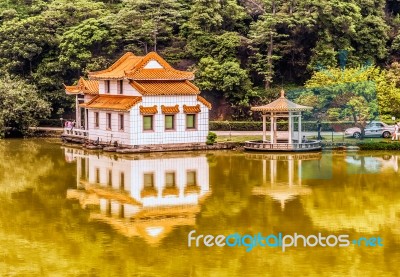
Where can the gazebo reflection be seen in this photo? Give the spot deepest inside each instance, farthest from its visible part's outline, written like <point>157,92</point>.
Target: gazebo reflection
<point>144,196</point>
<point>285,184</point>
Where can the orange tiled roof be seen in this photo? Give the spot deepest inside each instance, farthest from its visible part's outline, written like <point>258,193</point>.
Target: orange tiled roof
<point>282,104</point>
<point>83,86</point>
<point>117,70</point>
<point>191,109</point>
<point>165,87</point>
<point>165,73</point>
<point>148,110</point>
<point>204,101</point>
<point>170,109</point>
<point>160,74</point>
<point>113,102</point>
<point>133,67</point>
<point>72,89</point>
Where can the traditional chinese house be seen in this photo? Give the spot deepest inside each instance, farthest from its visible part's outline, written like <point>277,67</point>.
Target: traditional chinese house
<point>140,100</point>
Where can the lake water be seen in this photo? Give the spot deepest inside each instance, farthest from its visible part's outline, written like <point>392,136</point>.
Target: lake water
<point>69,212</point>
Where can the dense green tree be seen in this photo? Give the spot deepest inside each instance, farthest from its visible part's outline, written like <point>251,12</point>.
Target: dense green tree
<point>264,34</point>
<point>227,79</point>
<point>359,28</point>
<point>29,46</point>
<point>279,32</point>
<point>148,22</point>
<point>20,106</point>
<point>23,41</point>
<point>81,43</point>
<point>207,24</point>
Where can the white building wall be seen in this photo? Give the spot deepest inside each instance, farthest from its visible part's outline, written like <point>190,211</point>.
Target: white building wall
<point>127,88</point>
<point>105,135</point>
<point>134,134</point>
<point>88,97</point>
<point>153,64</point>
<point>160,135</point>
<point>102,87</point>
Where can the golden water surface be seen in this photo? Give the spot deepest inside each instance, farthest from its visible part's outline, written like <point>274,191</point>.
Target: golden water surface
<point>69,212</point>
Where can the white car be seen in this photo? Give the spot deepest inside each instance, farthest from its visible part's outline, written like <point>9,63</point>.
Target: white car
<point>375,129</point>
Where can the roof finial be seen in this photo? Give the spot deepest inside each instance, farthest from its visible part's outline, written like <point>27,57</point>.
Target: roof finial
<point>282,93</point>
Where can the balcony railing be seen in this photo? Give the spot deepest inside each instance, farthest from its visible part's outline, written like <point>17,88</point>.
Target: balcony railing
<point>76,132</point>
<point>268,146</point>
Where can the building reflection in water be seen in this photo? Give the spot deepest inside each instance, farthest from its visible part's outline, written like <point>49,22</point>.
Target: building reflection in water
<point>282,175</point>
<point>146,196</point>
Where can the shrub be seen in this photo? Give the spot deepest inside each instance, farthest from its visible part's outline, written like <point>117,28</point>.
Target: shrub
<point>211,138</point>
<point>379,145</point>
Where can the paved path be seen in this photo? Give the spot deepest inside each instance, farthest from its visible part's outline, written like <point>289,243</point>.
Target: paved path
<point>47,129</point>
<point>259,133</point>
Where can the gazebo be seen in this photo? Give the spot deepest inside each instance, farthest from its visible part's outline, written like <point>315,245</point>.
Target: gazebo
<point>282,108</point>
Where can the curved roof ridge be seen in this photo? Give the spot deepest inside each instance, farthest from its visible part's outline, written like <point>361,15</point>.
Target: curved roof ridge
<point>118,69</point>
<point>282,104</point>
<point>115,64</point>
<point>83,86</point>
<point>166,67</point>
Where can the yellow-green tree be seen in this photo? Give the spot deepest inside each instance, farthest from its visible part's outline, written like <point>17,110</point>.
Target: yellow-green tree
<point>360,94</point>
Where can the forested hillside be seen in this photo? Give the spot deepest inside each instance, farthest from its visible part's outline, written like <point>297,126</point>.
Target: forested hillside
<point>243,51</point>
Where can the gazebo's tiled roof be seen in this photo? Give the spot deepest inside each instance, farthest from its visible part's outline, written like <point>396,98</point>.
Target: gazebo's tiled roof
<point>83,86</point>
<point>113,102</point>
<point>282,104</point>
